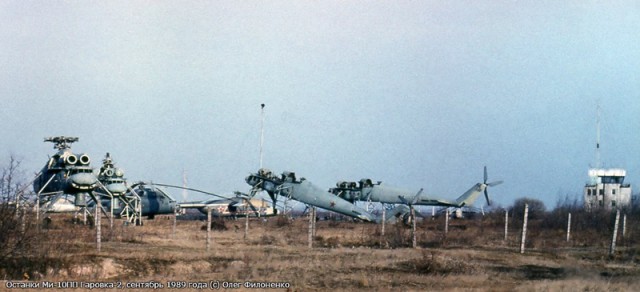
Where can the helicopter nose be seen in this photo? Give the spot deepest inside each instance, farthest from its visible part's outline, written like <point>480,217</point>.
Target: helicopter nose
<point>117,188</point>
<point>251,180</point>
<point>83,181</point>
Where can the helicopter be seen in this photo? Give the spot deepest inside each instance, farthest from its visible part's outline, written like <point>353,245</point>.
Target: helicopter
<point>65,175</point>
<point>232,206</point>
<point>366,190</point>
<point>116,195</point>
<point>152,201</point>
<point>304,191</point>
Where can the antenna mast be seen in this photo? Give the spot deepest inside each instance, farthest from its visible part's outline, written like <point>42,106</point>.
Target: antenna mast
<point>598,136</point>
<point>261,131</point>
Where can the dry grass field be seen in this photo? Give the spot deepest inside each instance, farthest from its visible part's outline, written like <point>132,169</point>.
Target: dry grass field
<point>346,256</point>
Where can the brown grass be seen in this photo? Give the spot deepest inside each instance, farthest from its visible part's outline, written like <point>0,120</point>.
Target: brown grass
<point>346,256</point>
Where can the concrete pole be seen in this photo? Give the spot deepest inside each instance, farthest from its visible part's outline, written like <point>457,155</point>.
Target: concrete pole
<point>414,242</point>
<point>569,227</point>
<point>246,222</point>
<point>506,224</point>
<point>383,219</point>
<point>446,222</point>
<point>433,212</point>
<point>84,215</point>
<point>111,213</point>
<point>315,216</point>
<point>524,227</point>
<point>98,230</point>
<point>624,225</point>
<point>38,209</point>
<point>175,222</point>
<point>615,234</point>
<point>310,244</point>
<point>208,229</point>
<point>23,214</point>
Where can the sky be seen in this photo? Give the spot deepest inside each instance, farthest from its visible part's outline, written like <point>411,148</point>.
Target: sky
<point>416,94</point>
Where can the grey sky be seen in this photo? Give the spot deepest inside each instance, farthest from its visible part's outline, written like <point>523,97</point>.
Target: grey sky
<point>413,93</point>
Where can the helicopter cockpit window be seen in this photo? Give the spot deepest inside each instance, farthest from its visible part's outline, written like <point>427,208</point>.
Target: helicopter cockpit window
<point>289,176</point>
<point>366,182</point>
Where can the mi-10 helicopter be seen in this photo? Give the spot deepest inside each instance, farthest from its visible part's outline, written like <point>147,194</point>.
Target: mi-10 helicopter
<point>366,190</point>
<point>65,175</point>
<point>141,199</point>
<point>70,175</point>
<point>304,191</point>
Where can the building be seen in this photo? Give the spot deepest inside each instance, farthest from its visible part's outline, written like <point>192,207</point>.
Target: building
<point>606,190</point>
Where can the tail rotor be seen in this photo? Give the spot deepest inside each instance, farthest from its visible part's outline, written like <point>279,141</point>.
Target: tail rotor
<point>487,185</point>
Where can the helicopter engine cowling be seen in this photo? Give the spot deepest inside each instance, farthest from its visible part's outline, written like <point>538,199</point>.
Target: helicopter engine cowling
<point>71,159</point>
<point>84,159</point>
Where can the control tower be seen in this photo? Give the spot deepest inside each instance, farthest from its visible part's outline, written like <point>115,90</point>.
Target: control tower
<point>606,190</point>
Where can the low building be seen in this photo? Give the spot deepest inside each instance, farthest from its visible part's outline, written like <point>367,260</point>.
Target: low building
<point>606,190</point>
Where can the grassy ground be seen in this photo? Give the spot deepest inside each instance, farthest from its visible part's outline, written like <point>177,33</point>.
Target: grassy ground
<point>346,256</point>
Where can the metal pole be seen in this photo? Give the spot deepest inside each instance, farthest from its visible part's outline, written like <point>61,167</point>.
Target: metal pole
<point>524,227</point>
<point>506,224</point>
<point>615,234</point>
<point>98,230</point>
<point>261,131</point>
<point>208,228</point>
<point>569,227</point>
<point>38,198</point>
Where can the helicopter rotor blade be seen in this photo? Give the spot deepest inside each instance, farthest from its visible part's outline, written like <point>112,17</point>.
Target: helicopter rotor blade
<point>185,188</point>
<point>495,183</point>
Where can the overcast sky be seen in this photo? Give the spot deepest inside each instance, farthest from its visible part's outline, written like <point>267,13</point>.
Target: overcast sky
<point>417,94</point>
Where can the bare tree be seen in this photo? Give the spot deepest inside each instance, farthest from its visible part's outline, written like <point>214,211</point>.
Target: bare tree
<point>14,240</point>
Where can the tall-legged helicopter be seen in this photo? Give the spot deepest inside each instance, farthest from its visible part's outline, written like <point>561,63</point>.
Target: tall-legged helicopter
<point>66,175</point>
<point>132,202</point>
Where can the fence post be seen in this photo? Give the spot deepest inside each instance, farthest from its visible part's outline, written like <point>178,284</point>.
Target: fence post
<point>615,233</point>
<point>173,229</point>
<point>98,229</point>
<point>446,222</point>
<point>414,241</point>
<point>569,228</point>
<point>624,225</point>
<point>524,227</point>
<point>506,224</point>
<point>383,219</point>
<point>310,244</point>
<point>208,228</point>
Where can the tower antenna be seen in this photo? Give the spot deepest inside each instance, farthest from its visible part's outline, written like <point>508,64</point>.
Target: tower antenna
<point>598,136</point>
